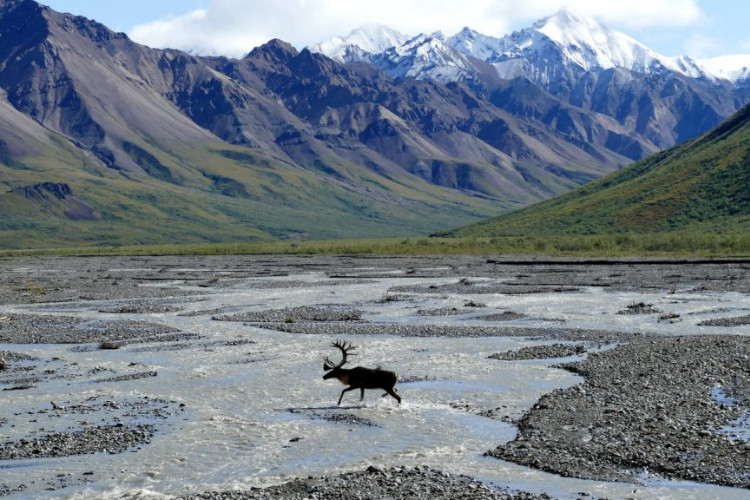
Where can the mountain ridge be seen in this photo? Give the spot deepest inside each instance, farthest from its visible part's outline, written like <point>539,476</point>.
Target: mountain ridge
<point>593,43</point>
<point>660,100</point>
<point>161,146</point>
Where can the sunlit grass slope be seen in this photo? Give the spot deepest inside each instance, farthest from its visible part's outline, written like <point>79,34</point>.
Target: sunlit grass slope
<point>216,192</point>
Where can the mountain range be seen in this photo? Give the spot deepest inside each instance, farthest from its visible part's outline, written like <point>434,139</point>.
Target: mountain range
<point>567,38</point>
<point>660,101</point>
<point>105,141</point>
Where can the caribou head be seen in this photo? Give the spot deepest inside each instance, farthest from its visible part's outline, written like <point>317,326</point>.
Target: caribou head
<point>359,377</point>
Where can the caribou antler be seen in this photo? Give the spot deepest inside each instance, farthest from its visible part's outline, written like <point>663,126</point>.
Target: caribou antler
<point>345,348</point>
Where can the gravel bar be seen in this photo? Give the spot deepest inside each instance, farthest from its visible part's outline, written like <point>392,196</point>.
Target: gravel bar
<point>645,406</point>
<point>438,330</point>
<point>109,438</point>
<point>294,314</point>
<point>46,329</point>
<point>542,352</point>
<point>417,483</point>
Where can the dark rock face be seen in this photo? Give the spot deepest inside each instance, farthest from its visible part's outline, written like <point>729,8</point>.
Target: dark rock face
<point>665,108</point>
<point>55,196</point>
<point>36,81</point>
<point>44,190</point>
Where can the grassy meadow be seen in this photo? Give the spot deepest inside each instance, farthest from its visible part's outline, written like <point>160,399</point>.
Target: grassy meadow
<point>664,245</point>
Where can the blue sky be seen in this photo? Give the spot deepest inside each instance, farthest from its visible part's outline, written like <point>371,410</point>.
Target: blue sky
<point>699,28</point>
<point>122,16</point>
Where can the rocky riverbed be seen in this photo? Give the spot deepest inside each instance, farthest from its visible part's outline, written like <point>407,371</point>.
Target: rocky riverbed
<point>396,482</point>
<point>650,406</point>
<point>652,403</point>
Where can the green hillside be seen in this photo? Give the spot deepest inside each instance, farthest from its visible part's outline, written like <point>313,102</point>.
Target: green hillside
<point>702,185</point>
<point>59,197</point>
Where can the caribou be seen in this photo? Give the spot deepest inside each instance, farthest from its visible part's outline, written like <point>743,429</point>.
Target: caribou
<point>359,377</point>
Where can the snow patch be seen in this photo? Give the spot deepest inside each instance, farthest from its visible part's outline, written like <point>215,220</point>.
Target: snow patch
<point>556,45</point>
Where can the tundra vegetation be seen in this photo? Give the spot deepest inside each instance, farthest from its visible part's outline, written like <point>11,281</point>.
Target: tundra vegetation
<point>674,244</point>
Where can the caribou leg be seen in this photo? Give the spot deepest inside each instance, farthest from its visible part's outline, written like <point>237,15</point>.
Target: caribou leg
<point>342,393</point>
<point>392,392</point>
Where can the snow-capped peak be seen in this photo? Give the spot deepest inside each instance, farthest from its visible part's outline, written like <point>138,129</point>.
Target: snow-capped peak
<point>475,44</point>
<point>590,44</point>
<point>582,42</point>
<point>544,52</point>
<point>425,57</point>
<point>360,43</point>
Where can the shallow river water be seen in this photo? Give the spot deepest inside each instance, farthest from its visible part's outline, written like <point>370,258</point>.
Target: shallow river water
<point>247,414</point>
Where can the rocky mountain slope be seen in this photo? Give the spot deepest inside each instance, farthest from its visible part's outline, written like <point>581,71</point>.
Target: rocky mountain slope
<point>659,100</point>
<point>700,186</point>
<point>108,141</point>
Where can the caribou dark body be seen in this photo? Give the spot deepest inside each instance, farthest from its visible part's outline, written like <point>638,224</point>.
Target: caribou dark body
<point>359,377</point>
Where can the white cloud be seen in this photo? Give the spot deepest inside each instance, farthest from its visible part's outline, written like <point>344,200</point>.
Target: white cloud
<point>234,27</point>
<point>700,45</point>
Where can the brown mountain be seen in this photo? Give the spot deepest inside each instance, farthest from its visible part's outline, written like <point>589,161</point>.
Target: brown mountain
<point>103,140</point>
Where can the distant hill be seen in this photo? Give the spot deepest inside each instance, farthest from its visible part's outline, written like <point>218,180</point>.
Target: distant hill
<point>702,185</point>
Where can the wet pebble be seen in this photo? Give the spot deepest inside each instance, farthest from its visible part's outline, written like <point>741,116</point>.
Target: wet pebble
<point>541,352</point>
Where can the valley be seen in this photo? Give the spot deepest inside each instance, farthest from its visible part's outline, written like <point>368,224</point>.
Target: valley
<point>108,142</point>
<point>543,234</point>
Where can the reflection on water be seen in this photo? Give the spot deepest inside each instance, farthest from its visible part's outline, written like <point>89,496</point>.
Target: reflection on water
<point>256,410</point>
<point>739,429</point>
